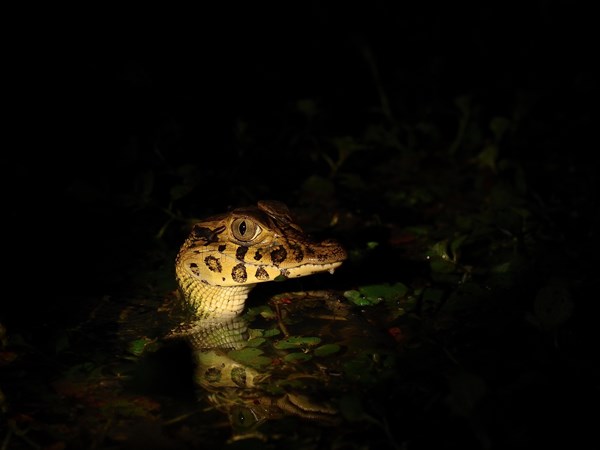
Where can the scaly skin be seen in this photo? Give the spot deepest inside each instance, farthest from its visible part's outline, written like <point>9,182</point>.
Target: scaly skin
<point>225,256</point>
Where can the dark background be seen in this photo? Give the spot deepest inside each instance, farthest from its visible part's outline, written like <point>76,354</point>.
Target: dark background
<point>104,95</point>
<point>114,109</point>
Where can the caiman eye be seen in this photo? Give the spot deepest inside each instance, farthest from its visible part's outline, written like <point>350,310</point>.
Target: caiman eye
<point>245,230</point>
<point>243,418</point>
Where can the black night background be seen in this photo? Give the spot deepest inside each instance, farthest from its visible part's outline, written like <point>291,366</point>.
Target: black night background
<point>449,149</point>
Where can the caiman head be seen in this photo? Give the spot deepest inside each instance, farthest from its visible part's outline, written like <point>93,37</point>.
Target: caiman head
<point>225,256</point>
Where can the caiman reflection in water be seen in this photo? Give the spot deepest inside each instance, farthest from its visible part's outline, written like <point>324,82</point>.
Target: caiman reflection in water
<point>297,357</point>
<point>294,357</point>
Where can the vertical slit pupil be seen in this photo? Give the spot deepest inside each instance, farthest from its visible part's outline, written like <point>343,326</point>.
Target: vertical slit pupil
<point>243,228</point>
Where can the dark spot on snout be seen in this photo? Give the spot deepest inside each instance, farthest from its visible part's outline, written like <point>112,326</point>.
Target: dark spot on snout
<point>278,255</point>
<point>262,274</point>
<point>297,252</point>
<point>238,273</point>
<point>194,269</point>
<point>213,264</point>
<point>240,253</point>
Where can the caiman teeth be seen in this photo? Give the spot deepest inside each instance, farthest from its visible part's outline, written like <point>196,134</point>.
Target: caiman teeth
<point>332,270</point>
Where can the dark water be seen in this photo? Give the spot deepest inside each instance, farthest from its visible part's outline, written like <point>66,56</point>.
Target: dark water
<point>382,372</point>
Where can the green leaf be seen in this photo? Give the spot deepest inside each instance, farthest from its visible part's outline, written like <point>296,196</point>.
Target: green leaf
<point>263,311</point>
<point>499,125</point>
<point>297,357</point>
<point>455,245</point>
<point>439,265</point>
<point>439,249</point>
<point>297,342</point>
<point>137,347</point>
<point>488,157</point>
<point>250,356</point>
<point>272,332</point>
<point>357,298</point>
<point>376,293</point>
<point>327,349</point>
<point>256,342</point>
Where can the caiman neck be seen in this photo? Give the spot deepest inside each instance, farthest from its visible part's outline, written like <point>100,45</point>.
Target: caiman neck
<point>212,301</point>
